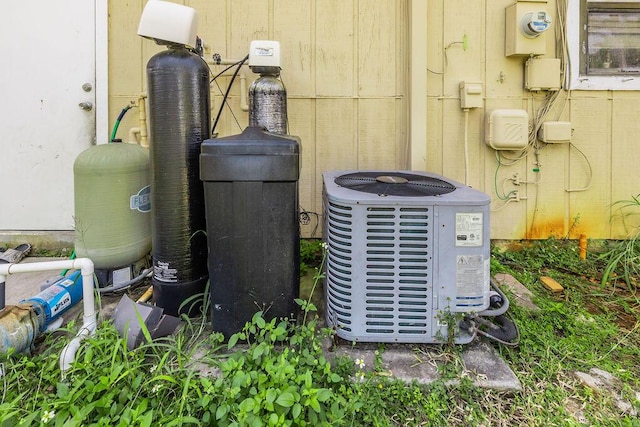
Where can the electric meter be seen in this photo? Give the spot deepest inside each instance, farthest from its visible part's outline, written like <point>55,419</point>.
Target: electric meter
<point>535,23</point>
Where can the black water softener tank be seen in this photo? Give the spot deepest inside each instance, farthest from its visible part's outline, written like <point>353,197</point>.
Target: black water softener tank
<point>179,120</point>
<point>251,203</point>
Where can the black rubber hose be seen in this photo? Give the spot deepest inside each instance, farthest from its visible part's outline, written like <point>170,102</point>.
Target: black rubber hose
<point>507,330</point>
<point>124,285</point>
<point>496,311</point>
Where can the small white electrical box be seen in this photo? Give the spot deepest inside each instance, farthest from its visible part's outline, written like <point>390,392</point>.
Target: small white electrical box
<point>506,129</point>
<point>555,132</point>
<point>167,22</point>
<point>542,74</point>
<point>471,95</point>
<point>264,54</point>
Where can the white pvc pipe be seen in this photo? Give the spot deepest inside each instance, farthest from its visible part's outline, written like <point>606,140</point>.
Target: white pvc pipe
<point>142,120</point>
<point>222,61</point>
<point>244,103</point>
<point>89,318</point>
<point>133,135</point>
<point>466,146</point>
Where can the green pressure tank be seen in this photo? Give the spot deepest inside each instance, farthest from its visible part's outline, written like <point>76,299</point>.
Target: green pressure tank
<point>112,204</point>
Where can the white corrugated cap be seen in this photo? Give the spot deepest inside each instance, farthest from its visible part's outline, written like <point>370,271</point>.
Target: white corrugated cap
<point>164,21</point>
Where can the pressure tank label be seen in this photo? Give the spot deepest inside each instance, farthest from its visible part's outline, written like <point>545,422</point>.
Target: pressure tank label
<point>141,201</point>
<point>469,229</point>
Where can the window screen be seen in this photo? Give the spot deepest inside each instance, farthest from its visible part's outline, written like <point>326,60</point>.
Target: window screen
<point>612,32</point>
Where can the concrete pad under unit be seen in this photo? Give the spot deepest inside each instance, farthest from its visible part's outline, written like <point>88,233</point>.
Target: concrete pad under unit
<point>407,362</point>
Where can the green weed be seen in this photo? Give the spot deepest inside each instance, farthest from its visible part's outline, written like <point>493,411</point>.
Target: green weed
<point>623,259</point>
<point>276,372</point>
<point>310,254</point>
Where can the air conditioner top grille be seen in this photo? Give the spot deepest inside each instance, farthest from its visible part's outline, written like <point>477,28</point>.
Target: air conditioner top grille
<point>395,184</point>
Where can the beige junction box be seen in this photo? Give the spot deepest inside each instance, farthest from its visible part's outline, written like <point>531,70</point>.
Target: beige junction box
<point>506,129</point>
<point>555,132</point>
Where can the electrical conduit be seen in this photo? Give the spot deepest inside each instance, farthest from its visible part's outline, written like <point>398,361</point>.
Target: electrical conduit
<point>466,146</point>
<point>142,119</point>
<point>89,318</point>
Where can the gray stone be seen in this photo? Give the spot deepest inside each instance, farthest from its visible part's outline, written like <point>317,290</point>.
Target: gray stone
<point>605,383</point>
<point>523,296</point>
<point>590,381</point>
<point>489,370</point>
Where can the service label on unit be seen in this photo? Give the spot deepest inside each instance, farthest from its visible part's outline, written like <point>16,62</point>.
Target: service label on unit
<point>469,229</point>
<point>470,275</point>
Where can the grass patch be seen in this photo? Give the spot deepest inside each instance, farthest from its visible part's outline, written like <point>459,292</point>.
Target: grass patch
<point>274,372</point>
<point>310,254</point>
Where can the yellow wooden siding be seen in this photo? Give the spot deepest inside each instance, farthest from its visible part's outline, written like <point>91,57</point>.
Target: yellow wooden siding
<point>344,66</point>
<point>346,69</point>
<point>625,162</point>
<point>553,200</point>
<point>592,136</point>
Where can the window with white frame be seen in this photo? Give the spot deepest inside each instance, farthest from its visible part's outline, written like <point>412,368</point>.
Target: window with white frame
<point>604,44</point>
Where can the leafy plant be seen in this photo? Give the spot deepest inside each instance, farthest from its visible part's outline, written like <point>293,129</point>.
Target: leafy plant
<point>623,259</point>
<point>275,372</point>
<point>451,321</point>
<point>311,253</point>
<point>279,375</point>
<point>277,379</point>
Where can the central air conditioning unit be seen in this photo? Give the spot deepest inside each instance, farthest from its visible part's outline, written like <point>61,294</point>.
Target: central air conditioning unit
<point>408,256</point>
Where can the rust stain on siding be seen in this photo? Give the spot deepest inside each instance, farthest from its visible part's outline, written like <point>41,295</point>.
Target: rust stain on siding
<point>556,228</point>
<point>546,229</point>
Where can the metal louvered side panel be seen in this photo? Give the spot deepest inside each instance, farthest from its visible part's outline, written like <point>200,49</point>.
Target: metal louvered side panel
<point>339,262</point>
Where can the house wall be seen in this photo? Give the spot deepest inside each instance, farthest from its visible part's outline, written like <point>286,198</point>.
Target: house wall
<point>344,67</point>
<point>347,71</point>
<point>577,184</point>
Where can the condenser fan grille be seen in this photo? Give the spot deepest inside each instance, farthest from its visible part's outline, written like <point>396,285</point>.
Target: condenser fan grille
<point>395,184</point>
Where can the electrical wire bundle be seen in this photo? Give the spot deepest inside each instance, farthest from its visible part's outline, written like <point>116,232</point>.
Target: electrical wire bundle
<point>238,66</point>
